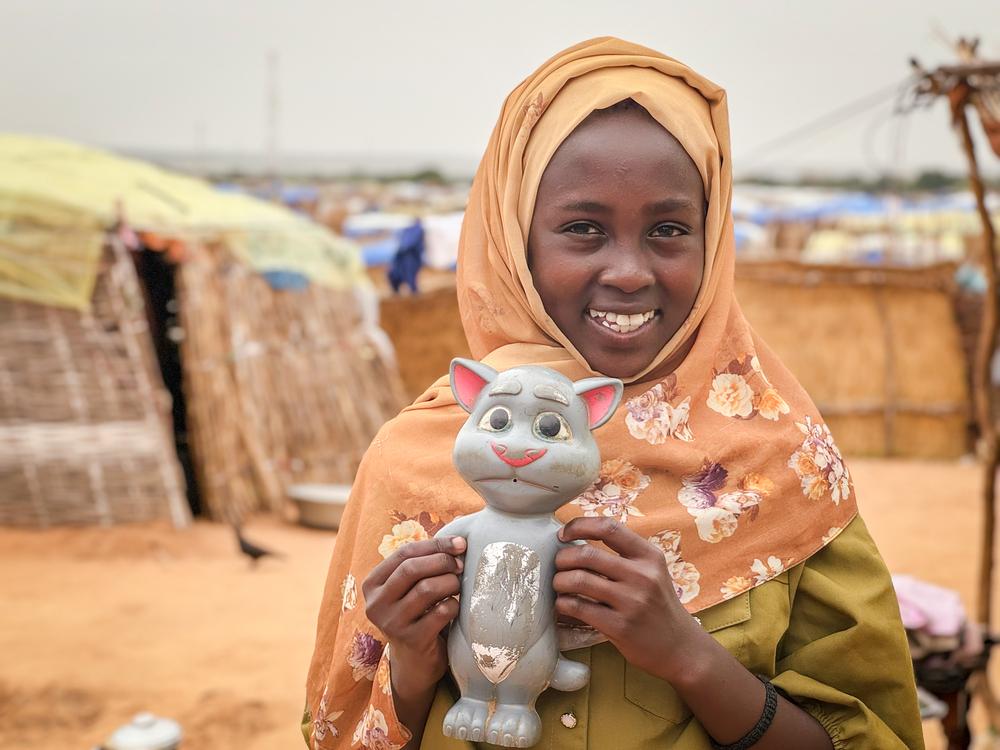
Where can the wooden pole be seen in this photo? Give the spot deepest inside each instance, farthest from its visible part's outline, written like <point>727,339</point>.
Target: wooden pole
<point>984,359</point>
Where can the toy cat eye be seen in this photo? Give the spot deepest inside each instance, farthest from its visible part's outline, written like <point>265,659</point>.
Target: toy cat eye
<point>496,419</point>
<point>551,426</point>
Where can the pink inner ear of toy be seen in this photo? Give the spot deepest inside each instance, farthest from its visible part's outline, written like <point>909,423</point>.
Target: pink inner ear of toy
<point>599,401</point>
<point>468,385</point>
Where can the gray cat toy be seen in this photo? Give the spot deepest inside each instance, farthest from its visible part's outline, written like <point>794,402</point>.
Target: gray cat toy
<point>527,450</point>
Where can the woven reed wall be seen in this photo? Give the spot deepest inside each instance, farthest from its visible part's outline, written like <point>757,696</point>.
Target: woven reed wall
<point>427,333</point>
<point>281,387</point>
<point>84,425</point>
<point>879,350</point>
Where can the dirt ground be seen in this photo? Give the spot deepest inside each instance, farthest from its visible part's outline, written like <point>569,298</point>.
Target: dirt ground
<point>96,625</point>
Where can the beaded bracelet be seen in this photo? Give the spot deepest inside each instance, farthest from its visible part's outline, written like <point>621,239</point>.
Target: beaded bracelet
<point>753,736</point>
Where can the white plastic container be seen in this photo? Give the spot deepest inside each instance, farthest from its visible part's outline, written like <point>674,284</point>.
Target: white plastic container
<point>320,505</point>
<point>146,732</point>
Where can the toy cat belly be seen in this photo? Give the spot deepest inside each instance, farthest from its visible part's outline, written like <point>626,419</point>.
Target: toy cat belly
<point>504,608</point>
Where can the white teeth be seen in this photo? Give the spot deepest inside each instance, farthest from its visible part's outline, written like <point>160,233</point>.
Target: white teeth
<point>621,323</point>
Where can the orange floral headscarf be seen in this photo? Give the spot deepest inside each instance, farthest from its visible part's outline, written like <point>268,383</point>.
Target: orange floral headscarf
<point>723,461</point>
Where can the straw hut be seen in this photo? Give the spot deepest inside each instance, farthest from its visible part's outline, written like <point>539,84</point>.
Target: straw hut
<point>878,349</point>
<point>84,431</point>
<point>283,375</point>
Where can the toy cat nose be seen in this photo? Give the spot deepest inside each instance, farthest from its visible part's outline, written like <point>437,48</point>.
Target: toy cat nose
<point>530,455</point>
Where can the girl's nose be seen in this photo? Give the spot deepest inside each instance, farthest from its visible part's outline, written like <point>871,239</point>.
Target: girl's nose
<point>627,269</point>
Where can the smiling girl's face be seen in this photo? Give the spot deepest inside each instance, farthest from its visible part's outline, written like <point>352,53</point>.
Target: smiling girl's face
<point>616,245</point>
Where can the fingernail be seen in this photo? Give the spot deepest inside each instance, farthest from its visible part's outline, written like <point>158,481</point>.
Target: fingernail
<point>562,534</point>
<point>458,543</point>
<point>461,565</point>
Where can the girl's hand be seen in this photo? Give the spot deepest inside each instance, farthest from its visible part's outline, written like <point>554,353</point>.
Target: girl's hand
<point>408,596</point>
<point>629,596</point>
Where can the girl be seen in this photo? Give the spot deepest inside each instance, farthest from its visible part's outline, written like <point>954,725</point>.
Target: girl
<point>737,599</point>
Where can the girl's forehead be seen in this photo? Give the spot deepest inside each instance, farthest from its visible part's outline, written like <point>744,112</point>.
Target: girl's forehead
<point>610,149</point>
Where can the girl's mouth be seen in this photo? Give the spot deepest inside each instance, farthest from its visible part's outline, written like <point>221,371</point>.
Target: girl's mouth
<point>621,323</point>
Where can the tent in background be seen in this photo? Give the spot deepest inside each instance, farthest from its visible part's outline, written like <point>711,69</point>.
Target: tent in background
<point>286,376</point>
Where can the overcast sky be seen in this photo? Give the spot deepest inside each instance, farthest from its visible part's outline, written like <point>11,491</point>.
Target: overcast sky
<point>415,78</point>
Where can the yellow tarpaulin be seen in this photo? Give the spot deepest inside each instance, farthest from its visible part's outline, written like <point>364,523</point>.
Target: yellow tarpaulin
<point>58,198</point>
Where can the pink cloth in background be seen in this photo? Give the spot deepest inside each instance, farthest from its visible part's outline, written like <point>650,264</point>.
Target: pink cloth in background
<point>932,609</point>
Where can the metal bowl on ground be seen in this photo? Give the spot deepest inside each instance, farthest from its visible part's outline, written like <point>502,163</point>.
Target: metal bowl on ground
<point>320,505</point>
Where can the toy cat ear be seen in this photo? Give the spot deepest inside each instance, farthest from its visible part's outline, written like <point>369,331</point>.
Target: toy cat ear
<point>467,379</point>
<point>602,396</point>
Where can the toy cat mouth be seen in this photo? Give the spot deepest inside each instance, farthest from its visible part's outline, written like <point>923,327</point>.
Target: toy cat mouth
<point>518,480</point>
<point>530,456</point>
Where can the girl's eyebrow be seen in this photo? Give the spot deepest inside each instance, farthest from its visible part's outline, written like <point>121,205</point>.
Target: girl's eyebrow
<point>662,206</point>
<point>670,204</point>
<point>587,207</point>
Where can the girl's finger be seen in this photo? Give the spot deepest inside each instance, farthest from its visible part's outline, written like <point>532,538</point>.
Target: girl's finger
<point>426,593</point>
<point>453,545</point>
<point>600,617</point>
<point>594,559</point>
<point>616,535</point>
<point>411,571</point>
<point>583,582</point>
<point>435,620</point>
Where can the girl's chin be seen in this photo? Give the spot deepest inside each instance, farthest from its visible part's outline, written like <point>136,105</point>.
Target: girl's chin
<point>618,364</point>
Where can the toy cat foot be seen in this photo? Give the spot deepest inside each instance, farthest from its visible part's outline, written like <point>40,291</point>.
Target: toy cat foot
<point>570,675</point>
<point>466,720</point>
<point>514,726</point>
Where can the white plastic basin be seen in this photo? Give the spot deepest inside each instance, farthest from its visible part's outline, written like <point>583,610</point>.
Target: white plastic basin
<point>320,505</point>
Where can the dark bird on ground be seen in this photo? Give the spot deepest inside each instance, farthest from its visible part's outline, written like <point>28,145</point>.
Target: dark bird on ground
<point>250,549</point>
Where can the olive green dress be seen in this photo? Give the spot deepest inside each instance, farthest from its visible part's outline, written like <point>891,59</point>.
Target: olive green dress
<point>828,631</point>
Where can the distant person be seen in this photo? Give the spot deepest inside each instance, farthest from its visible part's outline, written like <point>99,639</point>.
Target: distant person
<point>738,600</point>
<point>409,258</point>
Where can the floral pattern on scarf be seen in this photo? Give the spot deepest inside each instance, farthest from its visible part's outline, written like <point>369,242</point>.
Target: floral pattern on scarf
<point>819,465</point>
<point>684,575</point>
<point>408,529</point>
<point>652,417</point>
<point>373,732</point>
<point>613,494</point>
<point>732,393</point>
<point>366,650</point>
<point>761,571</point>
<point>716,513</point>
<point>348,593</point>
<point>323,723</point>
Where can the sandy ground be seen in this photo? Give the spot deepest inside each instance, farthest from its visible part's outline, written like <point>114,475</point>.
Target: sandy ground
<point>96,625</point>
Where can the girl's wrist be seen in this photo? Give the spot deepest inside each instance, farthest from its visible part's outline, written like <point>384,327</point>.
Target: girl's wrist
<point>692,657</point>
<point>412,679</point>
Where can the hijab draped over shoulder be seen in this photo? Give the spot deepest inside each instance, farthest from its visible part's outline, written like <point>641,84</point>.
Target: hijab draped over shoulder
<point>720,460</point>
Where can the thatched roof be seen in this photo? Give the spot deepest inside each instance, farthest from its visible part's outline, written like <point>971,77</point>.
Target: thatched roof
<point>57,199</point>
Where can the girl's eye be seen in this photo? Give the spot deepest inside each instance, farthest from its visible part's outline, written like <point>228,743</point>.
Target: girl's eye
<point>582,228</point>
<point>668,230</point>
<point>551,426</point>
<point>496,419</point>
